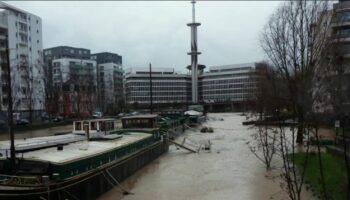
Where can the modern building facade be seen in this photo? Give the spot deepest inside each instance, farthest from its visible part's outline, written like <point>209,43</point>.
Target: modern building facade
<point>107,57</point>
<point>331,89</point>
<point>53,93</point>
<point>229,83</point>
<point>64,52</point>
<point>21,33</point>
<point>76,85</point>
<point>109,82</point>
<point>221,84</point>
<point>168,86</point>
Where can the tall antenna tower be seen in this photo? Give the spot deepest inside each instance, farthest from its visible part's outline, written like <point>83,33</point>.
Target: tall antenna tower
<point>194,54</point>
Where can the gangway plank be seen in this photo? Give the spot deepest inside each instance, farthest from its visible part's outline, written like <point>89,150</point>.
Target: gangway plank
<point>182,146</point>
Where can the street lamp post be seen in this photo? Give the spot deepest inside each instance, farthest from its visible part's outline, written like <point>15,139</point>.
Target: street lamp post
<point>10,108</point>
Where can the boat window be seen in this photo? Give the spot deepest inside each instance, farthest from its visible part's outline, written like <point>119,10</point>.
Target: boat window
<point>93,125</point>
<point>78,126</point>
<point>102,126</point>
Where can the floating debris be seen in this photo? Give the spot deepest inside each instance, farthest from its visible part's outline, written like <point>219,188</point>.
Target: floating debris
<point>207,130</point>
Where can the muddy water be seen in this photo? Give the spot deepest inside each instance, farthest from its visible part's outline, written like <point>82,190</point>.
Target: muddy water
<point>228,171</point>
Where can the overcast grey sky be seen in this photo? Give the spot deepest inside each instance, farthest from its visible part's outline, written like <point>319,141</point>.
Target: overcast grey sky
<point>155,31</point>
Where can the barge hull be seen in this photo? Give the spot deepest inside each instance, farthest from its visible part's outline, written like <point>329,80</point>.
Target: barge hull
<point>93,185</point>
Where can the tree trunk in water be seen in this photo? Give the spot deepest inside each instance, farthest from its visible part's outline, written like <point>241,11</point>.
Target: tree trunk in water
<point>300,132</point>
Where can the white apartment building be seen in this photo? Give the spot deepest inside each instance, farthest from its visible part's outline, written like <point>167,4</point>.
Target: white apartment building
<point>22,31</point>
<point>168,86</point>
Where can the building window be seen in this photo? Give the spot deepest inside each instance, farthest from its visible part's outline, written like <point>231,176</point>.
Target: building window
<point>37,31</point>
<point>37,21</point>
<point>72,51</point>
<point>37,41</point>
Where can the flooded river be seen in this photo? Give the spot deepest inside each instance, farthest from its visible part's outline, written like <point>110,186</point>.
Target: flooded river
<point>228,171</point>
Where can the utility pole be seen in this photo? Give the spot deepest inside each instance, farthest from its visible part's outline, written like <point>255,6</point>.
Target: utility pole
<point>150,87</point>
<point>10,107</point>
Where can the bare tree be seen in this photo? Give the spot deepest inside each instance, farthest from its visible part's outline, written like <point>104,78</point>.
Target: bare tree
<point>294,45</point>
<point>295,39</point>
<point>32,77</point>
<point>263,145</point>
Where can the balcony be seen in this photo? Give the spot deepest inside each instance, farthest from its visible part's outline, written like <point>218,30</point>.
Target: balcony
<point>23,32</point>
<point>342,36</point>
<point>340,18</point>
<point>23,43</point>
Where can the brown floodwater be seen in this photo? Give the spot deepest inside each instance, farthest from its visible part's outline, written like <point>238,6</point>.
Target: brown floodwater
<point>228,171</point>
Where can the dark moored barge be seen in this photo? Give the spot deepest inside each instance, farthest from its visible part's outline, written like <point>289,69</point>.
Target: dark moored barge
<point>81,165</point>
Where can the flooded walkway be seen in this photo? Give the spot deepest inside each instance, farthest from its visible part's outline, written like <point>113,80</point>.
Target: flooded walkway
<point>228,171</point>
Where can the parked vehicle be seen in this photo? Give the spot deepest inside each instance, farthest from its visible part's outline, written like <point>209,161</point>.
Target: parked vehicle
<point>121,115</point>
<point>58,119</point>
<point>45,116</point>
<point>22,122</point>
<point>135,113</point>
<point>97,115</point>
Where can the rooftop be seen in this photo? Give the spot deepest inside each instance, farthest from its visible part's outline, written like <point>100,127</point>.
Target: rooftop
<point>146,116</point>
<point>82,149</point>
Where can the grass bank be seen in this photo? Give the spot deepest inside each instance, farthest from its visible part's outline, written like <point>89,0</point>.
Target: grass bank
<point>334,172</point>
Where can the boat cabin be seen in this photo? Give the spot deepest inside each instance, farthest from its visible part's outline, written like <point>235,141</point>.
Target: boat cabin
<point>140,121</point>
<point>94,126</point>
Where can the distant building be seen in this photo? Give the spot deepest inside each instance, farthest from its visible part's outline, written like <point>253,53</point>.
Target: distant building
<point>225,84</point>
<point>64,52</point>
<point>168,87</point>
<point>106,57</point>
<point>109,82</point>
<point>228,83</point>
<point>22,31</point>
<point>75,83</point>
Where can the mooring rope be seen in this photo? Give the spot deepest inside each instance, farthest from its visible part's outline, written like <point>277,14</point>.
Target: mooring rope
<point>70,194</point>
<point>120,186</point>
